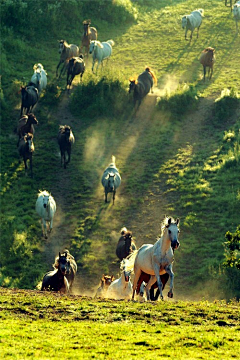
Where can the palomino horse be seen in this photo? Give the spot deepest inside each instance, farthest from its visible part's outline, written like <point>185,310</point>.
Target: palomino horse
<point>121,288</point>
<point>125,245</point>
<point>111,179</point>
<point>26,125</point>
<point>89,34</point>
<point>56,280</point>
<point>46,208</point>
<point>26,149</point>
<point>65,141</point>
<point>142,85</point>
<point>156,259</point>
<point>100,51</point>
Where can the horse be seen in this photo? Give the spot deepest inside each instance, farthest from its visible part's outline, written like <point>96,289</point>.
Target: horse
<point>143,281</point>
<point>89,34</point>
<point>142,85</point>
<point>236,14</point>
<point>111,179</point>
<point>121,288</point>
<point>26,125</point>
<point>56,280</point>
<point>65,140</point>
<point>66,51</point>
<point>76,66</point>
<point>230,3</point>
<point>156,259</point>
<point>125,245</point>
<point>100,51</point>
<point>29,98</point>
<point>192,21</point>
<point>207,59</point>
<point>39,78</point>
<point>46,208</point>
<point>71,267</point>
<point>105,282</point>
<point>26,149</point>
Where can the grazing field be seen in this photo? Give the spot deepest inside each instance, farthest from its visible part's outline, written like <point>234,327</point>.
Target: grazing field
<point>47,325</point>
<point>178,155</point>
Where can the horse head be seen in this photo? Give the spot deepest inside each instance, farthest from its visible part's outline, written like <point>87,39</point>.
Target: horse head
<point>132,85</point>
<point>32,119</point>
<point>173,232</point>
<point>184,21</point>
<point>127,274</point>
<point>63,263</point>
<point>110,181</point>
<point>106,280</point>
<point>46,200</point>
<point>61,46</point>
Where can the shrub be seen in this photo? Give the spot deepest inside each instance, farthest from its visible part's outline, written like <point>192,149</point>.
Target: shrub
<point>226,104</point>
<point>179,102</point>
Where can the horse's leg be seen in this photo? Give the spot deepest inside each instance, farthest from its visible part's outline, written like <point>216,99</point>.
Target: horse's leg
<point>106,193</point>
<point>69,154</point>
<point>64,160</point>
<point>156,268</point>
<point>30,160</point>
<point>25,163</point>
<point>51,225</point>
<point>151,281</point>
<point>204,72</point>
<point>60,62</point>
<point>44,228</point>
<point>171,274</point>
<point>114,193</point>
<point>186,33</point>
<point>137,274</point>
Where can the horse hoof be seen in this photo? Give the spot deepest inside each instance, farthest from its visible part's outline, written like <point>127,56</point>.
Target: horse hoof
<point>170,294</point>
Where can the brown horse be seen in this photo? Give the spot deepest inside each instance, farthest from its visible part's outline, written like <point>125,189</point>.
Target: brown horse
<point>207,59</point>
<point>89,34</point>
<point>76,66</point>
<point>125,245</point>
<point>142,86</point>
<point>65,141</point>
<point>146,277</point>
<point>26,149</point>
<point>106,280</point>
<point>26,125</point>
<point>56,280</point>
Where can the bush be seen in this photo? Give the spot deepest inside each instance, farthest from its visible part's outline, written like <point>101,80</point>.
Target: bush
<point>226,104</point>
<point>178,103</point>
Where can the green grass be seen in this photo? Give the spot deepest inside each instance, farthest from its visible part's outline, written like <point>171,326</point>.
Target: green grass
<point>172,163</point>
<point>48,324</point>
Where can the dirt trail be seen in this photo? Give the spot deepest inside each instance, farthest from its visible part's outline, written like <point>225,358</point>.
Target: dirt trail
<point>152,212</point>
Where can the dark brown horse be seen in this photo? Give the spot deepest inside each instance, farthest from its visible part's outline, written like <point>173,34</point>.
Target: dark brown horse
<point>65,141</point>
<point>76,66</point>
<point>207,59</point>
<point>125,245</point>
<point>146,277</point>
<point>142,86</point>
<point>56,280</point>
<point>89,34</point>
<point>26,149</point>
<point>29,98</point>
<point>26,125</point>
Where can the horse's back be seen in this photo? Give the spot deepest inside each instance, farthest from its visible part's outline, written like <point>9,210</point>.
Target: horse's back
<point>143,259</point>
<point>114,170</point>
<point>146,79</point>
<point>195,18</point>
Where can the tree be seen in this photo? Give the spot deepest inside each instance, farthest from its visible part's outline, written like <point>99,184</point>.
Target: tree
<point>232,249</point>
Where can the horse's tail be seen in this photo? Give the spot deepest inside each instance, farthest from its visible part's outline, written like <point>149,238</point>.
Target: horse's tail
<point>152,74</point>
<point>113,159</point>
<point>128,263</point>
<point>111,42</point>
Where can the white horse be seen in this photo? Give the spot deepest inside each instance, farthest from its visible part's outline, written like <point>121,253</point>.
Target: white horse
<point>236,14</point>
<point>121,289</point>
<point>192,21</point>
<point>111,179</point>
<point>39,77</point>
<point>100,51</point>
<point>46,208</point>
<point>156,259</point>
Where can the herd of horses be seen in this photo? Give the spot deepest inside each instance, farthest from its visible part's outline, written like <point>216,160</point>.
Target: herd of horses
<point>151,264</point>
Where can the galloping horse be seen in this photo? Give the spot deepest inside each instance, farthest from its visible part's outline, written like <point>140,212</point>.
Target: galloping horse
<point>125,245</point>
<point>89,34</point>
<point>66,51</point>
<point>26,125</point>
<point>56,280</point>
<point>46,208</point>
<point>65,141</point>
<point>111,179</point>
<point>100,51</point>
<point>26,149</point>
<point>207,59</point>
<point>156,259</point>
<point>29,98</point>
<point>121,288</point>
<point>142,85</point>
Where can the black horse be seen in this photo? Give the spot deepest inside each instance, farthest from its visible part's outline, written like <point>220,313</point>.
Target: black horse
<point>65,141</point>
<point>125,245</point>
<point>26,149</point>
<point>29,98</point>
<point>56,280</point>
<point>142,86</point>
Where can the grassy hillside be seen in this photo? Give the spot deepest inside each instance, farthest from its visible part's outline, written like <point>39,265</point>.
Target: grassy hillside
<point>46,325</point>
<point>174,160</point>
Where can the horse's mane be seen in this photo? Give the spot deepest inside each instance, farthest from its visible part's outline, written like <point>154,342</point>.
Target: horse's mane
<point>99,44</point>
<point>44,193</point>
<point>151,73</point>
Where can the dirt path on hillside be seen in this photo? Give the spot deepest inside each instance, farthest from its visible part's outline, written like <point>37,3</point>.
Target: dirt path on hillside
<point>151,213</point>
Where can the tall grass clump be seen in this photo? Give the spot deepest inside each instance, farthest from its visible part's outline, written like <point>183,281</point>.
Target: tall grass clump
<point>102,97</point>
<point>226,104</point>
<point>183,99</point>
